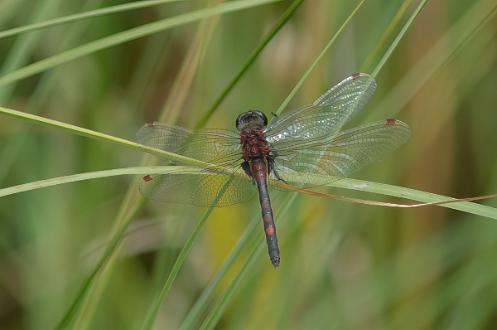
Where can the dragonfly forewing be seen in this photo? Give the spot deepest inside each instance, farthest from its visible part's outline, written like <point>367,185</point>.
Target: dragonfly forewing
<point>326,116</point>
<point>341,155</point>
<point>214,146</point>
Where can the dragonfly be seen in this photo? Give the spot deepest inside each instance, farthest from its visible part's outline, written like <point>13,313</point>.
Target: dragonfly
<point>292,148</point>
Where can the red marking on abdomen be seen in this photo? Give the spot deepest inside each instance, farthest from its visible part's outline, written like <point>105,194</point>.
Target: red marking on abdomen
<point>270,231</point>
<point>391,121</point>
<point>147,178</point>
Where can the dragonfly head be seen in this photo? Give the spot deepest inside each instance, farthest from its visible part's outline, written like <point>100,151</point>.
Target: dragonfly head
<point>254,118</point>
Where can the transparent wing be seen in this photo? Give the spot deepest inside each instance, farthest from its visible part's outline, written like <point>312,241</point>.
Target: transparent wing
<point>339,156</point>
<point>327,114</point>
<point>218,147</point>
<point>215,146</point>
<point>200,189</point>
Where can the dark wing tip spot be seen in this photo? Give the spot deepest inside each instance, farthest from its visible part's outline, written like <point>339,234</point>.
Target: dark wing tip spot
<point>391,121</point>
<point>356,75</point>
<point>147,178</point>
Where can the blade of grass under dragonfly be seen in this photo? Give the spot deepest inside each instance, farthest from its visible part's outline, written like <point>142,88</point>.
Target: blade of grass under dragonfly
<point>343,183</point>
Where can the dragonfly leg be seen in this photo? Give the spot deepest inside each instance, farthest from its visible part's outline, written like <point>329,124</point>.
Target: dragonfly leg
<point>272,168</point>
<point>277,175</point>
<point>273,120</point>
<point>247,170</point>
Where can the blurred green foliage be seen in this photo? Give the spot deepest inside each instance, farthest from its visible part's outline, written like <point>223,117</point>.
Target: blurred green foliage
<point>343,266</point>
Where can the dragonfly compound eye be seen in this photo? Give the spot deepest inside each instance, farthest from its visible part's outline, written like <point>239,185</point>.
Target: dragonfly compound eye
<point>262,116</point>
<point>251,119</point>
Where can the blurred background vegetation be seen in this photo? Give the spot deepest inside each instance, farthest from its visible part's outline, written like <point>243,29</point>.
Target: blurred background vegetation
<point>344,266</point>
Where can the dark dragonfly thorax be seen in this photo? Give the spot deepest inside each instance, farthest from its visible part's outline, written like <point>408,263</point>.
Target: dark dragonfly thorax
<point>254,144</point>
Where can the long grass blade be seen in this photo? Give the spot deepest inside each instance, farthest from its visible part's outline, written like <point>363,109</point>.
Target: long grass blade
<point>251,60</point>
<point>100,136</point>
<point>344,183</point>
<point>85,15</point>
<point>125,36</point>
<point>399,37</point>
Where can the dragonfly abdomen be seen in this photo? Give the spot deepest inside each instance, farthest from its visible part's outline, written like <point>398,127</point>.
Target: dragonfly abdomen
<point>259,171</point>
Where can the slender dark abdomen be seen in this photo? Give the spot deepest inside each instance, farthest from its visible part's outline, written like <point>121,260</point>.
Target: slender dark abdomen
<point>259,171</point>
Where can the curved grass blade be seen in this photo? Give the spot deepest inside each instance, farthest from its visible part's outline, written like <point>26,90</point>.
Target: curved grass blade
<point>343,183</point>
<point>279,24</point>
<point>128,35</point>
<point>84,15</point>
<point>101,136</point>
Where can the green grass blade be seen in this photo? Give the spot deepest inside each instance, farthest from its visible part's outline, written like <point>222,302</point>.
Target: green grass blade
<point>201,302</point>
<point>22,48</point>
<point>211,320</point>
<point>404,7</point>
<point>279,24</point>
<point>110,253</point>
<point>344,183</point>
<point>128,35</point>
<point>461,32</point>
<point>138,170</point>
<point>180,260</point>
<point>100,136</point>
<point>399,37</point>
<point>85,15</point>
<point>306,74</point>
